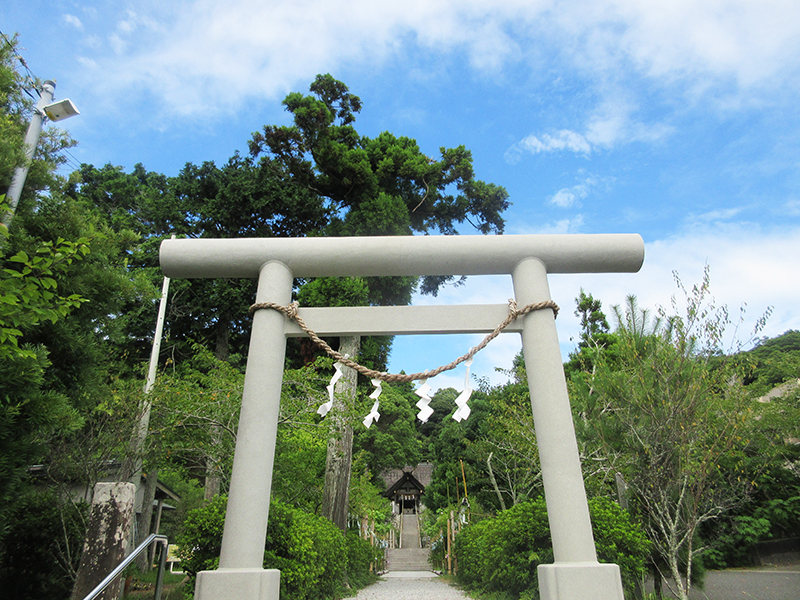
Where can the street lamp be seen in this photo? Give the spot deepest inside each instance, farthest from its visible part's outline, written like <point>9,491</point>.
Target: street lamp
<point>45,107</point>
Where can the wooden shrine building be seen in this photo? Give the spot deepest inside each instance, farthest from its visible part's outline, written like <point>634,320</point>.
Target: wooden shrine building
<point>406,493</point>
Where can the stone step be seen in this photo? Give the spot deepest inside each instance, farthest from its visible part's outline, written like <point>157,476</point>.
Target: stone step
<point>408,559</point>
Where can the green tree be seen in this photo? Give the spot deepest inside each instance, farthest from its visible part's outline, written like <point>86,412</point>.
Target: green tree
<point>594,334</point>
<point>392,441</point>
<point>455,443</point>
<point>30,410</point>
<point>666,420</point>
<point>40,552</point>
<point>14,110</point>
<point>380,186</point>
<point>509,447</point>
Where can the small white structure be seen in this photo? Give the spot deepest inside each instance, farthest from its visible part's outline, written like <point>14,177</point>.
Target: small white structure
<point>527,258</point>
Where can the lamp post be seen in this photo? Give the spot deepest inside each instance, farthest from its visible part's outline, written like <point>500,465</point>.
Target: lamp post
<point>45,107</point>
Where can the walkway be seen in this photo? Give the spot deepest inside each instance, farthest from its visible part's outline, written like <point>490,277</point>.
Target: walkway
<point>410,557</point>
<point>720,585</point>
<point>411,586</point>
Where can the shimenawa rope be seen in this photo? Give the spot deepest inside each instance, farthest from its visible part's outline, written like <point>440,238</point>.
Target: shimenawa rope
<point>513,314</point>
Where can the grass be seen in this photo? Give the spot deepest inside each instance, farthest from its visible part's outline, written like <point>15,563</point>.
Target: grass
<point>142,586</point>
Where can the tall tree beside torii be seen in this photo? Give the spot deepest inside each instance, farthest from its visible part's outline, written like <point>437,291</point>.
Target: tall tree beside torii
<point>372,186</point>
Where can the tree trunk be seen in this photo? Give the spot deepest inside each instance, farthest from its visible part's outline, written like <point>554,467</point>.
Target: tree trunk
<point>657,583</point>
<point>213,482</point>
<point>213,477</point>
<point>104,548</point>
<point>494,482</point>
<point>212,486</point>
<point>222,348</point>
<point>336,493</point>
<point>145,517</point>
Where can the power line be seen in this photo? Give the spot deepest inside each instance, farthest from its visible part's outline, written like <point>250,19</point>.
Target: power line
<point>72,160</point>
<point>30,77</point>
<point>10,44</point>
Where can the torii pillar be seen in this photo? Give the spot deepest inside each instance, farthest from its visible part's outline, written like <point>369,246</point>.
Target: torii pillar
<point>527,258</point>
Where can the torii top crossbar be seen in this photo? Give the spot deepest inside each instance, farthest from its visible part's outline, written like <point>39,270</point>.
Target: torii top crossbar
<point>402,255</point>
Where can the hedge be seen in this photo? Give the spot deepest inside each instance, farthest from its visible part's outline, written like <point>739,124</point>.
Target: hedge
<point>315,559</point>
<point>500,555</point>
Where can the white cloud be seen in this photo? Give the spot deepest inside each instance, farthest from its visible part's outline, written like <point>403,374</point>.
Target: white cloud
<point>569,197</point>
<point>561,140</point>
<point>724,214</point>
<point>126,26</point>
<point>750,42</point>
<point>792,208</point>
<point>87,62</point>
<point>611,123</point>
<point>73,20</point>
<point>747,266</point>
<point>566,197</point>
<point>118,45</point>
<point>243,49</point>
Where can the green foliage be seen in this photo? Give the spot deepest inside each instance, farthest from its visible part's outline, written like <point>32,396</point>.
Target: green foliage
<point>201,541</point>
<point>365,497</point>
<point>334,291</point>
<point>13,114</point>
<point>308,550</point>
<point>501,554</point>
<point>29,292</point>
<point>360,555</point>
<point>34,297</point>
<point>664,412</point>
<point>392,441</point>
<point>771,512</point>
<point>380,186</point>
<point>734,538</point>
<point>40,551</point>
<point>594,334</point>
<point>509,445</point>
<point>456,442</point>
<point>314,557</point>
<point>773,362</point>
<point>195,414</point>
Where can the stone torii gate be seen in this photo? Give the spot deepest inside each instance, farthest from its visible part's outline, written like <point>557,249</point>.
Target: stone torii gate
<point>527,258</point>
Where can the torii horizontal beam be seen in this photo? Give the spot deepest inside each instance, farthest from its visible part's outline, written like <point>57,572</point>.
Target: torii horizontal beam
<point>402,255</point>
<point>402,320</point>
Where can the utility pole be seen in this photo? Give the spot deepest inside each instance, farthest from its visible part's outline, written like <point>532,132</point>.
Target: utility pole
<point>45,107</point>
<point>145,494</point>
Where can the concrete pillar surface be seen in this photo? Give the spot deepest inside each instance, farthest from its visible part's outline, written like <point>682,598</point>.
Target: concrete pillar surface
<point>576,572</point>
<point>241,575</point>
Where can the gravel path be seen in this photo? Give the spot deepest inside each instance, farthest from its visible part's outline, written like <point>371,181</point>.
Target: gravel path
<point>410,585</point>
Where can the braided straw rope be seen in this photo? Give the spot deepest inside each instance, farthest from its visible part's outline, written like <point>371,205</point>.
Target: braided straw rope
<point>513,314</point>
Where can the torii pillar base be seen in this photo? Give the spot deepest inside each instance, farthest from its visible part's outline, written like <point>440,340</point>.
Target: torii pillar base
<point>253,584</point>
<point>587,581</point>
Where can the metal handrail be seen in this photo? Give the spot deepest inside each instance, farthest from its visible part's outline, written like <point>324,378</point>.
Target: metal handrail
<point>162,561</point>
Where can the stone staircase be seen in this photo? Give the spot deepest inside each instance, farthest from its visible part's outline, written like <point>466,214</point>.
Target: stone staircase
<point>410,557</point>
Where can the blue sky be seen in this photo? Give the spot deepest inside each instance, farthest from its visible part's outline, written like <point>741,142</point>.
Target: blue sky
<point>675,120</point>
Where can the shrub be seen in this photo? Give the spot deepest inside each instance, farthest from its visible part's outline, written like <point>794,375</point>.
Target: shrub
<point>41,548</point>
<point>360,555</point>
<point>315,559</point>
<point>500,555</point>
